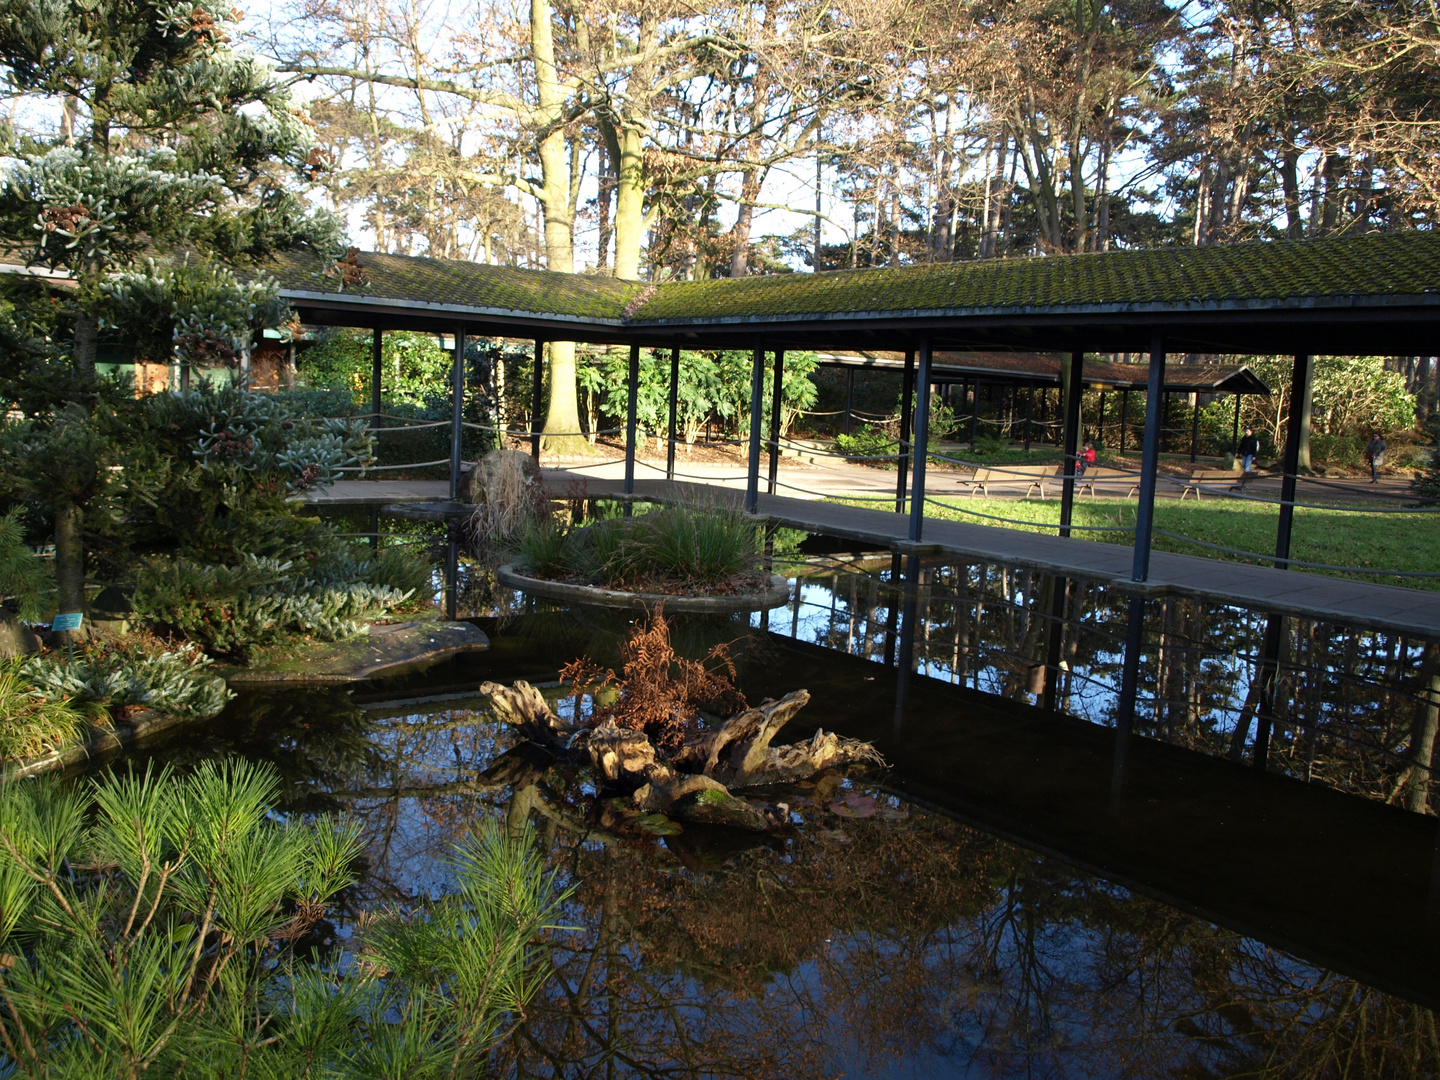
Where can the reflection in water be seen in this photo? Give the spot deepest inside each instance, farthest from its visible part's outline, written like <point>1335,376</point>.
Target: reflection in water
<point>1354,709</point>
<point>899,944</point>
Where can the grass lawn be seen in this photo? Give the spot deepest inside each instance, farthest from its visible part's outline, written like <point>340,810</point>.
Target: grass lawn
<point>1404,541</point>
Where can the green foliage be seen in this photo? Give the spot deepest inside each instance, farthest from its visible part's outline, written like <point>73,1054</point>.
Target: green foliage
<point>1426,486</point>
<point>32,724</point>
<point>117,673</point>
<point>199,314</point>
<point>24,578</point>
<point>1352,396</point>
<point>235,609</point>
<point>868,441</point>
<point>161,926</point>
<point>711,384</point>
<point>416,367</point>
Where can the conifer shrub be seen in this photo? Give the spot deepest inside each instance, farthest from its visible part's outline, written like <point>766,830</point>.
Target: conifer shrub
<point>236,609</point>
<point>165,926</point>
<point>120,673</point>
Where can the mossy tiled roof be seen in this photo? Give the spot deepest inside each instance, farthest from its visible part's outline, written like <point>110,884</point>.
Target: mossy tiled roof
<point>1284,273</point>
<point>1395,264</point>
<point>452,283</point>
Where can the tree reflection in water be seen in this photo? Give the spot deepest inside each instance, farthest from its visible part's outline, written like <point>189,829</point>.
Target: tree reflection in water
<point>899,944</point>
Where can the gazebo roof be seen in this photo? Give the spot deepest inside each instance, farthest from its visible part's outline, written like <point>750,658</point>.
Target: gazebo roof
<point>1358,294</point>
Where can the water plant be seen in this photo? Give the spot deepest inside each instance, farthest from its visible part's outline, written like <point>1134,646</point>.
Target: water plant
<point>673,549</point>
<point>172,926</point>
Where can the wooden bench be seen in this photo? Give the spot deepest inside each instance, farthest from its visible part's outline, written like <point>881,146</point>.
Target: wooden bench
<point>1199,478</point>
<point>1033,476</point>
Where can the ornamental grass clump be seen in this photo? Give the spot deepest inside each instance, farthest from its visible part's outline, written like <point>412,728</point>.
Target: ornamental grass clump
<point>683,550</point>
<point>33,723</point>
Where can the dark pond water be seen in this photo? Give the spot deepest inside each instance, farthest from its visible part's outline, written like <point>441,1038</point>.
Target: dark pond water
<point>1027,902</point>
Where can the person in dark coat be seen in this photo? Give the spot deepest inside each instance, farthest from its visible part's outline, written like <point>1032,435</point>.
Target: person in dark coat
<point>1249,447</point>
<point>1375,455</point>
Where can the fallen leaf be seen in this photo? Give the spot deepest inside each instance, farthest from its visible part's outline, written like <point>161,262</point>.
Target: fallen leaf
<point>854,805</point>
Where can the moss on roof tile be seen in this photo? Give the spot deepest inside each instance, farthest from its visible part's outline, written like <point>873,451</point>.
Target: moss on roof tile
<point>1393,264</point>
<point>1396,264</point>
<point>455,283</point>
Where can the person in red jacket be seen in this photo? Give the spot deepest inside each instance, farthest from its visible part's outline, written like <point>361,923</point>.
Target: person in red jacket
<point>1087,458</point>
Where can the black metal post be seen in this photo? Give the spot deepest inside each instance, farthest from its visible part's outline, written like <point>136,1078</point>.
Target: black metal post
<point>849,397</point>
<point>1100,422</point>
<point>1125,709</point>
<point>1268,672</point>
<point>1029,413</point>
<point>1124,416</point>
<point>922,443</point>
<point>1149,458</point>
<point>377,370</point>
<point>536,395</point>
<point>776,402</point>
<point>907,393</point>
<point>752,472</point>
<point>905,662</point>
<point>674,413</point>
<point>974,410</point>
<point>632,405</point>
<point>457,412</point>
<point>1299,389</point>
<point>1195,429</point>
<point>1072,387</point>
<point>1235,435</point>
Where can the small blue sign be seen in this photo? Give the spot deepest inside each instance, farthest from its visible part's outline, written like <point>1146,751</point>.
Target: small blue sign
<point>70,621</point>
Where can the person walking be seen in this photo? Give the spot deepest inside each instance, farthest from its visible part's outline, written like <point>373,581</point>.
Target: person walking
<point>1249,447</point>
<point>1375,455</point>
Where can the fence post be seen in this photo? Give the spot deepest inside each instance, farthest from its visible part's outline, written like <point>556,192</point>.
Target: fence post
<point>377,371</point>
<point>631,408</point>
<point>535,395</point>
<point>752,471</point>
<point>1150,457</point>
<point>457,412</point>
<point>1071,387</point>
<point>1299,390</point>
<point>776,398</point>
<point>907,393</point>
<point>674,412</point>
<point>921,444</point>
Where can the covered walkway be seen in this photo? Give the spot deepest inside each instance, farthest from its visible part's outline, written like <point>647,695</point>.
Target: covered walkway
<point>1374,295</point>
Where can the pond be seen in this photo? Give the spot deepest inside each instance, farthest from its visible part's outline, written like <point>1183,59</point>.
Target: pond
<point>1026,894</point>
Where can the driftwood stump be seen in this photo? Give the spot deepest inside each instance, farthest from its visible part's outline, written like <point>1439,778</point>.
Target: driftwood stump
<point>695,785</point>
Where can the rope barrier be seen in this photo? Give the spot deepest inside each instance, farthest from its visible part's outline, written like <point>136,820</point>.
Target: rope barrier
<point>1031,524</point>
<point>390,468</point>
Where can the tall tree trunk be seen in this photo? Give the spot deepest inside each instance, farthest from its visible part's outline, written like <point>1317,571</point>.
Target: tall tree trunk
<point>1307,406</point>
<point>630,167</point>
<point>70,557</point>
<point>1290,186</point>
<point>744,219</point>
<point>562,421</point>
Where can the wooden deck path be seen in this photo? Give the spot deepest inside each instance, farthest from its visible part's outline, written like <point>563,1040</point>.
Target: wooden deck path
<point>1258,588</point>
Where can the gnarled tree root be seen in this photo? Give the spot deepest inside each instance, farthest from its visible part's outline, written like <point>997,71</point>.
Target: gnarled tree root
<point>695,785</point>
